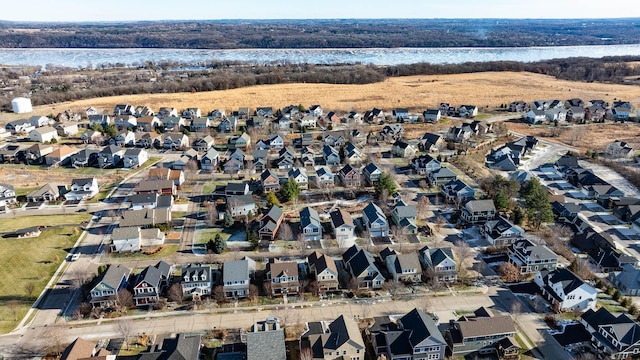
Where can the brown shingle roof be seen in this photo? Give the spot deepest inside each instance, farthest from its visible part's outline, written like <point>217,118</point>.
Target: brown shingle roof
<point>475,327</point>
<point>78,349</point>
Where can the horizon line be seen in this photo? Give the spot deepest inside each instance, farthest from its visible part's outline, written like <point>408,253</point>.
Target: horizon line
<point>307,19</point>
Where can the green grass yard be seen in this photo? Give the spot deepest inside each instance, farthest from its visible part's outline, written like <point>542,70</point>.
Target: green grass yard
<point>21,222</point>
<point>166,251</point>
<point>29,261</point>
<point>204,235</point>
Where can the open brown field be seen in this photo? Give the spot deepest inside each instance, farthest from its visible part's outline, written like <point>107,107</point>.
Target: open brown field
<point>22,176</point>
<point>415,92</point>
<point>585,137</point>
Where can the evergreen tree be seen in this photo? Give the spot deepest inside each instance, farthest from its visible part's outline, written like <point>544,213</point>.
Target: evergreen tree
<point>290,190</point>
<point>219,244</point>
<point>272,200</point>
<point>537,202</point>
<point>518,216</point>
<point>386,182</point>
<point>228,219</point>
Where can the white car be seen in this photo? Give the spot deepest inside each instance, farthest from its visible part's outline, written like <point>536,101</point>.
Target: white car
<point>75,257</point>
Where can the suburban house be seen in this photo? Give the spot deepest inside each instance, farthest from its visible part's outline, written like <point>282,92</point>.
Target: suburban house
<point>91,137</point>
<point>339,340</point>
<point>270,181</point>
<point>164,187</point>
<point>97,119</point>
<point>468,111</point>
<point>233,166</point>
<point>400,113</point>
<point>264,111</point>
<point>299,175</point>
<point>371,173</point>
<point>84,349</point>
<point>204,143</point>
<point>375,221</point>
<point>536,116</point>
<point>47,193</point>
<point>19,126</point>
<point>146,218</point>
<point>432,115</point>
<point>135,157</point>
<point>109,283</point>
<point>501,232</point>
<point>307,121</point>
<point>441,176</point>
<point>82,189</point>
<point>282,123</point>
<point>414,336</point>
<point>110,156</point>
<point>432,143</point>
<point>282,277</point>
<point>439,264</point>
<point>10,152</point>
<point>149,140</point>
<point>176,142</point>
<point>518,106</point>
<point>286,158</point>
<point>177,176</point>
<point>239,142</point>
<point>391,133</point>
<point>343,227</point>
<point>576,114</point>
<point>620,150</point>
<point>241,205</point>
<point>7,196</point>
<point>229,124</point>
<point>404,267</point>
<point>148,123</point>
<point>330,155</point>
<point>67,129</point>
<point>529,258</point>
<point>123,138</point>
<point>627,280</point>
<point>350,177</point>
<point>150,201</point>
<point>167,111</point>
<point>200,124</point>
<point>403,149</point>
<point>39,121</point>
<point>123,109</point>
<point>425,164</point>
<point>476,211</point>
<point>315,110</point>
<point>361,266</point>
<point>133,238</point>
<point>84,157</point>
<point>44,135</point>
<point>235,279</point>
<point>264,342</point>
<point>404,216</point>
<point>124,122</point>
<point>612,337</point>
<point>196,281</point>
<point>457,192</point>
<point>481,332</point>
<point>172,123</point>
<point>60,156</point>
<point>191,113</point>
<point>209,161</point>
<point>150,283</point>
<point>324,178</point>
<point>565,290</point>
<point>143,110</point>
<point>310,226</point>
<point>324,271</point>
<point>270,223</point>
<point>374,115</point>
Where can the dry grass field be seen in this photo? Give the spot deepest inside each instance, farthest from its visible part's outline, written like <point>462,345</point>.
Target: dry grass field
<point>585,137</point>
<point>415,92</point>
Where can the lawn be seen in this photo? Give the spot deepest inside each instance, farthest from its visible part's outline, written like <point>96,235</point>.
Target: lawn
<point>204,235</point>
<point>29,261</point>
<point>166,251</point>
<point>21,222</point>
<point>208,187</point>
<point>608,303</point>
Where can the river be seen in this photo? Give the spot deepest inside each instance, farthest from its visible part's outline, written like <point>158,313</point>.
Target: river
<point>95,57</point>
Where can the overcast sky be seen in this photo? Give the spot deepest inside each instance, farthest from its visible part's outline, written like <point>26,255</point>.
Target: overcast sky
<point>127,10</point>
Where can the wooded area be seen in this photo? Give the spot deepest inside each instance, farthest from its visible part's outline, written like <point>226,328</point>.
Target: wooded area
<point>339,33</point>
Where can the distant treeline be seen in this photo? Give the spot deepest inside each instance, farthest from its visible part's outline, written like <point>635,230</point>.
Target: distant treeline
<point>51,87</point>
<point>346,33</point>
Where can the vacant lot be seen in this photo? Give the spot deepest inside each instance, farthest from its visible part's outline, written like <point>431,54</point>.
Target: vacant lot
<point>22,176</point>
<point>585,137</point>
<point>29,261</point>
<point>21,222</point>
<point>415,92</point>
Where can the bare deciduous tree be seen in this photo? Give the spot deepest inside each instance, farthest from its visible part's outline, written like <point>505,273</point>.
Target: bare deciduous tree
<point>123,299</point>
<point>29,288</point>
<point>55,335</point>
<point>254,293</point>
<point>212,213</point>
<point>175,293</point>
<point>285,232</point>
<point>509,273</point>
<point>219,295</point>
<point>440,222</point>
<point>464,254</point>
<point>423,207</point>
<point>124,327</point>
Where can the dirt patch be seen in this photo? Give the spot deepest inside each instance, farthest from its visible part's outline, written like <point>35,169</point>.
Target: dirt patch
<point>26,177</point>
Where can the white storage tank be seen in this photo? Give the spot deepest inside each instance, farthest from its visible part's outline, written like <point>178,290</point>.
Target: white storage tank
<point>21,105</point>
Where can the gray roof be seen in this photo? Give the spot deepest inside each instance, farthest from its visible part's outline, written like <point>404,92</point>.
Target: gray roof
<point>406,211</point>
<point>266,345</point>
<point>123,233</point>
<point>82,182</point>
<point>480,205</point>
<point>191,269</point>
<point>422,328</point>
<point>144,198</point>
<point>309,216</point>
<point>340,217</point>
<point>155,185</point>
<point>114,274</point>
<point>237,270</point>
